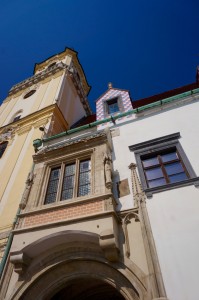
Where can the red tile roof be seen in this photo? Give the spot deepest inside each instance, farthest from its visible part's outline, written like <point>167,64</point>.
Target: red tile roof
<point>164,95</point>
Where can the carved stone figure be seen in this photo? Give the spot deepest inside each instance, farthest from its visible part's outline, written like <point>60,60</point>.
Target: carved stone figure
<point>26,193</point>
<point>108,171</point>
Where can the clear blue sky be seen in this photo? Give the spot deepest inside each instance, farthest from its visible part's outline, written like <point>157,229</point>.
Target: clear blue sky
<point>144,46</point>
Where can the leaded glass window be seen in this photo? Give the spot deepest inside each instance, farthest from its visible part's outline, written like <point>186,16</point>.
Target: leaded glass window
<point>84,178</point>
<point>51,193</point>
<point>69,181</point>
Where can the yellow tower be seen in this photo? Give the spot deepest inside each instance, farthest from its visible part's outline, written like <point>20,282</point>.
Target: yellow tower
<point>47,103</point>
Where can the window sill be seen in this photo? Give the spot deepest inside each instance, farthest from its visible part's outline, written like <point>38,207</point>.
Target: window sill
<point>192,181</point>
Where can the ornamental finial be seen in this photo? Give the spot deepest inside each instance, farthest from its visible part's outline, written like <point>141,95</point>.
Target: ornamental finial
<point>110,85</point>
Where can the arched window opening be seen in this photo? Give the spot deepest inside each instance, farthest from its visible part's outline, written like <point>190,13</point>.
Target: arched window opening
<point>3,148</point>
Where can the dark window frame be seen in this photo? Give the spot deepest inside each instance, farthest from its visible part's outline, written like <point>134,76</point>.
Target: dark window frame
<point>161,145</point>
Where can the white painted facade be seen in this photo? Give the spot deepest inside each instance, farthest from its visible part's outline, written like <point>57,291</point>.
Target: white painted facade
<point>173,214</point>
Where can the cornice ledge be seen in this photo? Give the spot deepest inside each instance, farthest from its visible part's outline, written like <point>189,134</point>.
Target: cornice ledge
<point>36,78</point>
<point>46,151</point>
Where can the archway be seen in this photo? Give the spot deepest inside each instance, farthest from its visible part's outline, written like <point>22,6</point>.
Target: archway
<point>71,265</point>
<point>87,289</point>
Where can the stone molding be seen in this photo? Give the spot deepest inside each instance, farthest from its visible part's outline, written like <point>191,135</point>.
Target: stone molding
<point>109,243</point>
<point>8,134</point>
<point>20,262</point>
<point>36,78</point>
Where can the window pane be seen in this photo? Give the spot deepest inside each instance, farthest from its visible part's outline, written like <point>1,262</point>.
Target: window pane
<point>178,177</point>
<point>85,166</point>
<point>52,186</point>
<point>70,169</point>
<point>50,198</point>
<point>154,173</point>
<point>67,194</point>
<point>84,178</point>
<point>84,190</point>
<point>68,182</point>
<point>156,182</point>
<point>150,162</point>
<point>169,156</point>
<point>54,174</point>
<point>113,108</point>
<point>174,168</point>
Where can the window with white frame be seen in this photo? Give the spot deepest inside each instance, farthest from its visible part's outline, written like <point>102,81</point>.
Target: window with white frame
<point>68,181</point>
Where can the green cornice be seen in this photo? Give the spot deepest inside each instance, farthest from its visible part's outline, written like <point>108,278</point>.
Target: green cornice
<point>130,112</point>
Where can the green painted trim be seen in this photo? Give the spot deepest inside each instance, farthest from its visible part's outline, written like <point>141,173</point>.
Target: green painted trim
<point>130,112</point>
<point>10,238</point>
<point>8,245</point>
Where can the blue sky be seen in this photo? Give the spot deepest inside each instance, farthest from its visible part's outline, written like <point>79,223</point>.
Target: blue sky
<point>147,47</point>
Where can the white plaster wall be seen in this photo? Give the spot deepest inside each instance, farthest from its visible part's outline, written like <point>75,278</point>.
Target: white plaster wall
<point>22,104</point>
<point>174,214</point>
<point>70,104</point>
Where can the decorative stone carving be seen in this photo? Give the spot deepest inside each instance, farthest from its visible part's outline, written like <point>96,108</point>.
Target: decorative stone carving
<point>126,221</point>
<point>27,190</point>
<point>108,204</point>
<point>109,244</point>
<point>138,193</point>
<point>36,78</point>
<point>108,171</point>
<point>7,135</point>
<point>20,262</point>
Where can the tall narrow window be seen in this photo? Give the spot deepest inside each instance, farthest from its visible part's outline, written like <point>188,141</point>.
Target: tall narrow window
<point>3,148</point>
<point>84,177</point>
<point>68,182</point>
<point>51,193</point>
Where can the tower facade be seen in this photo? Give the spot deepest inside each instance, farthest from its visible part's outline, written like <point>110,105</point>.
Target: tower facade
<point>47,103</point>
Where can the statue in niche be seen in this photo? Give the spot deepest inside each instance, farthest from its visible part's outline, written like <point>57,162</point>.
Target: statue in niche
<point>108,171</point>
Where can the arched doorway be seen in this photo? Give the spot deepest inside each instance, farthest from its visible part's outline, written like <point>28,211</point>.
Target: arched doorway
<point>87,289</point>
<point>76,269</point>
